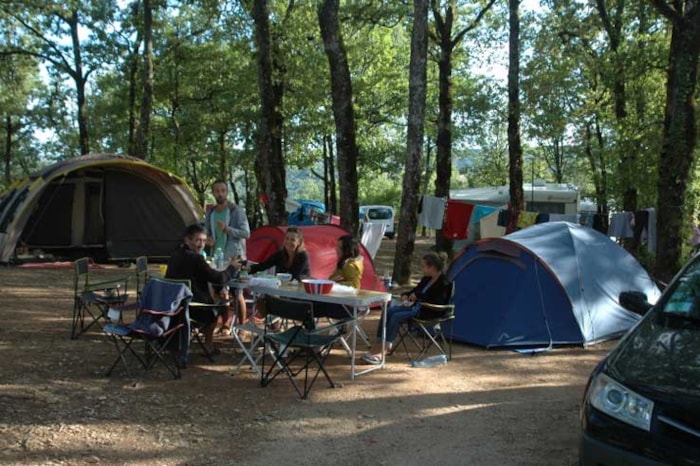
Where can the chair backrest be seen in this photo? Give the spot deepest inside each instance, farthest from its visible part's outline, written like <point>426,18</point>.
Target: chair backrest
<point>164,297</point>
<point>429,311</point>
<point>82,269</point>
<point>183,281</point>
<point>141,273</point>
<point>301,311</point>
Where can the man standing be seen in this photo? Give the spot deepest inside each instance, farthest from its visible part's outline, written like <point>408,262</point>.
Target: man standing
<point>227,228</point>
<point>227,224</point>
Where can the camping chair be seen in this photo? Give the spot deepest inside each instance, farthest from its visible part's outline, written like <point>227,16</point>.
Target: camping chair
<point>300,342</point>
<point>254,350</point>
<point>162,325</point>
<point>426,330</point>
<point>95,301</point>
<point>194,324</point>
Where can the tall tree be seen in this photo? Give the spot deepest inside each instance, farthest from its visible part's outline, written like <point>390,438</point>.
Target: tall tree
<point>680,130</point>
<point>269,167</point>
<point>515,150</point>
<point>612,19</point>
<point>417,89</point>
<point>444,24</point>
<point>143,131</point>
<point>343,112</point>
<point>53,35</point>
<point>18,84</point>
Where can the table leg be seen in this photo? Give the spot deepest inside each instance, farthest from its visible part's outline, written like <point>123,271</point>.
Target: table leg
<point>354,343</point>
<point>383,363</point>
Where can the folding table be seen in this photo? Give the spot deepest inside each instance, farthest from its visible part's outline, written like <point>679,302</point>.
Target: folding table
<point>363,298</point>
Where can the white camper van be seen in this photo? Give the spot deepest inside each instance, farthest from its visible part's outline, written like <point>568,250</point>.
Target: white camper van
<point>379,214</point>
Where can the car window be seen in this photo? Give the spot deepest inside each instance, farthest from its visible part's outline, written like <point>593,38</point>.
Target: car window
<point>379,214</point>
<point>684,300</point>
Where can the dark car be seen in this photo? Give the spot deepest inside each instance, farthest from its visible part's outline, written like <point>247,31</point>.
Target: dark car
<point>642,402</point>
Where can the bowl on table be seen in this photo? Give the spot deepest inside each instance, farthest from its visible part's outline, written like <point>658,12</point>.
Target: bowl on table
<point>284,277</point>
<point>317,285</point>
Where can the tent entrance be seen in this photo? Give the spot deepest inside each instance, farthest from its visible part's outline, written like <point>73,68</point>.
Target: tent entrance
<point>68,215</point>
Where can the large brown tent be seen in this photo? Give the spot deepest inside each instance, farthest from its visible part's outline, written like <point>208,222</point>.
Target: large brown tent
<point>100,205</point>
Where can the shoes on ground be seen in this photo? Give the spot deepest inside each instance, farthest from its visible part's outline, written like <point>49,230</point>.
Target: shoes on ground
<point>370,358</point>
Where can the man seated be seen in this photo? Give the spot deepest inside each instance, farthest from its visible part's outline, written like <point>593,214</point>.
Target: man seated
<point>188,263</point>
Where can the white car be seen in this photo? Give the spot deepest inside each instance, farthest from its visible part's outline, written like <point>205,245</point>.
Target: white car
<point>379,214</point>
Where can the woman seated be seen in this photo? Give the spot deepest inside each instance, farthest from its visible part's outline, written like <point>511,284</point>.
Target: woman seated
<point>292,258</point>
<point>348,272</point>
<point>433,288</point>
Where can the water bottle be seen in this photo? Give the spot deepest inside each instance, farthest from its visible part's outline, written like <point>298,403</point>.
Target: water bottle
<point>219,259</point>
<point>431,361</point>
<point>387,281</point>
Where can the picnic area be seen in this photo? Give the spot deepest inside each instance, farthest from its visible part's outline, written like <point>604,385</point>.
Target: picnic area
<point>57,407</point>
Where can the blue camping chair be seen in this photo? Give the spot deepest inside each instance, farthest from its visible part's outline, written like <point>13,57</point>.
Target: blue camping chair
<point>162,325</point>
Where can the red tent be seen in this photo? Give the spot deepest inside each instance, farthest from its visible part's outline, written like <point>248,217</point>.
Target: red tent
<point>320,241</point>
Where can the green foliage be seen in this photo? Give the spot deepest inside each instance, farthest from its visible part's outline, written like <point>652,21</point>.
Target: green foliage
<point>206,104</point>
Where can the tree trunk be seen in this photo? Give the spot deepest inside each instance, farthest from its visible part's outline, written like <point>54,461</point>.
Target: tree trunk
<point>332,182</point>
<point>447,44</point>
<point>133,71</point>
<point>223,159</point>
<point>515,150</point>
<point>343,112</point>
<point>679,135</point>
<point>627,156</point>
<point>426,177</point>
<point>7,157</point>
<point>417,85</point>
<point>443,160</point>
<point>80,80</point>
<point>269,168</point>
<point>277,166</point>
<point>147,97</point>
<point>599,170</point>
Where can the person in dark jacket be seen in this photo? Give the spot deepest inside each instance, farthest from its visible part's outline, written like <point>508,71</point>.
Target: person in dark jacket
<point>188,263</point>
<point>292,258</point>
<point>433,288</point>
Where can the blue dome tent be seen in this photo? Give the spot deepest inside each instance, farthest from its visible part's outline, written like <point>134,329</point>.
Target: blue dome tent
<point>550,284</point>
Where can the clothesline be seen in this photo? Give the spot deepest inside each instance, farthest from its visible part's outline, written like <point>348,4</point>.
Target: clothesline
<point>456,219</point>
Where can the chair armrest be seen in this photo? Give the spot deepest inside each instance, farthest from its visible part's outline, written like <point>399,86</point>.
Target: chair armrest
<point>108,284</point>
<point>429,311</point>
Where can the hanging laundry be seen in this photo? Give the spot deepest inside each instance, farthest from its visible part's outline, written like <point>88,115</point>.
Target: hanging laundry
<point>621,225</point>
<point>481,211</point>
<point>432,212</point>
<point>526,219</point>
<point>503,218</point>
<point>651,230</point>
<point>457,217</point>
<point>542,218</point>
<point>586,219</point>
<point>640,231</point>
<point>489,228</point>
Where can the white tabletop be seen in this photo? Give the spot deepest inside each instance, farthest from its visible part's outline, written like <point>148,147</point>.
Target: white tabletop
<point>361,299</point>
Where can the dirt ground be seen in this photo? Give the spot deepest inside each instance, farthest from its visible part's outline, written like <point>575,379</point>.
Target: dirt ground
<point>482,408</point>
